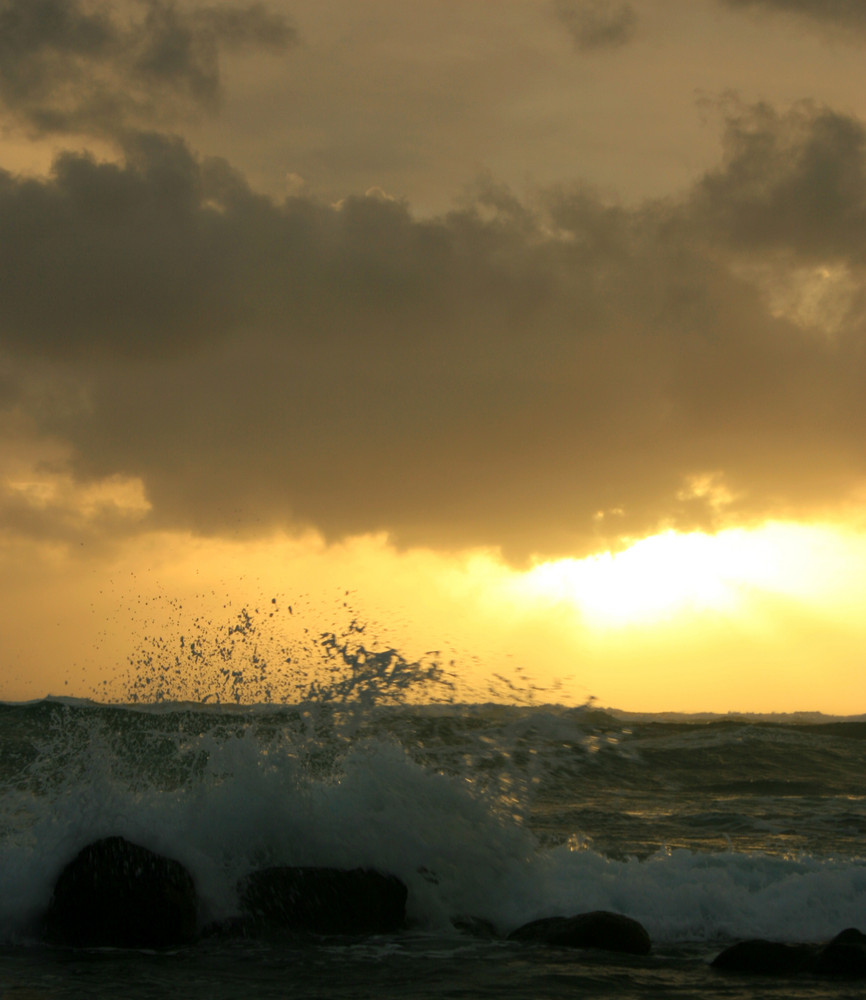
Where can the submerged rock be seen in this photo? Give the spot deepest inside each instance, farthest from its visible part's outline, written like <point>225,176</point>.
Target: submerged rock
<point>765,958</point>
<point>324,900</point>
<point>598,929</point>
<point>845,955</point>
<point>119,894</point>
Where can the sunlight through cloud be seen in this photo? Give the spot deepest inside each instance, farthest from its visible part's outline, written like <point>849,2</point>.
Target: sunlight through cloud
<point>667,575</point>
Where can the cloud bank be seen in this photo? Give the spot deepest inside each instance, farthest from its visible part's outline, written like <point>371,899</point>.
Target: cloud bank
<point>546,376</point>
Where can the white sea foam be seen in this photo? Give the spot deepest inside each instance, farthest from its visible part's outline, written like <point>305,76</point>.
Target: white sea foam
<point>227,798</point>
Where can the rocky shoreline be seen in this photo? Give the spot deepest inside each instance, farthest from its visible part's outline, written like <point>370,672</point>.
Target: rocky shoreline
<point>115,893</point>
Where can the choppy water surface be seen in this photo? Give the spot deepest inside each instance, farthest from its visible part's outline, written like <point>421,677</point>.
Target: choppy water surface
<point>705,830</point>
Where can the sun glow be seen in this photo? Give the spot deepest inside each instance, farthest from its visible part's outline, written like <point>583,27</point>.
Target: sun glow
<point>766,619</point>
<point>669,575</point>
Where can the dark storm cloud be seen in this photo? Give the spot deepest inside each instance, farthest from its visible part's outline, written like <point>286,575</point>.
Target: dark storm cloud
<point>597,24</point>
<point>122,258</point>
<point>101,67</point>
<point>846,14</point>
<point>543,377</point>
<point>793,182</point>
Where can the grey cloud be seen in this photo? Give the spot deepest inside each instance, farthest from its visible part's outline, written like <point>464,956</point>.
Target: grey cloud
<point>103,67</point>
<point>545,377</point>
<point>793,182</point>
<point>89,258</point>
<point>846,14</point>
<point>597,24</point>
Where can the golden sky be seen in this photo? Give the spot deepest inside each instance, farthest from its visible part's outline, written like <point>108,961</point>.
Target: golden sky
<point>530,332</point>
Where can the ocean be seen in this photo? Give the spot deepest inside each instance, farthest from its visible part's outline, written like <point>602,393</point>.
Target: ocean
<point>707,830</point>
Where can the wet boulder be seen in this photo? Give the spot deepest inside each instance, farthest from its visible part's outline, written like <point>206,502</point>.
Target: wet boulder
<point>119,894</point>
<point>845,955</point>
<point>765,958</point>
<point>324,900</point>
<point>598,929</point>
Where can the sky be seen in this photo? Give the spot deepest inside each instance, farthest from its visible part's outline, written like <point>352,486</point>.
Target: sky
<point>530,333</point>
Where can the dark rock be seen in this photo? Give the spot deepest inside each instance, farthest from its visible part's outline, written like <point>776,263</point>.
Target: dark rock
<point>115,893</point>
<point>845,955</point>
<point>324,900</point>
<point>599,929</point>
<point>765,958</point>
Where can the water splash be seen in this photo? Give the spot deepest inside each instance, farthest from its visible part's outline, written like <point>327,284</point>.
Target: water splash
<point>269,657</point>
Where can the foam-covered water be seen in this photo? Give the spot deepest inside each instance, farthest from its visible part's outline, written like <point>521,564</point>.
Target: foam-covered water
<point>705,830</point>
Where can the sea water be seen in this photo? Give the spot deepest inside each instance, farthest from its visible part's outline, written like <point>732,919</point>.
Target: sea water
<point>706,830</point>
